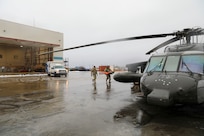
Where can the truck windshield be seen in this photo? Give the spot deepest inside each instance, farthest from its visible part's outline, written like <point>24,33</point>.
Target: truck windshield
<point>193,63</point>
<point>59,67</point>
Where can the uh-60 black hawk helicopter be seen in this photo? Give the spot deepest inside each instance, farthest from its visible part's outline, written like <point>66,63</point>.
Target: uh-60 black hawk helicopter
<point>173,77</point>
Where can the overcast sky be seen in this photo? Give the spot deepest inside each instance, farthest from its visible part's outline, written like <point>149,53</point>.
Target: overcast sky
<point>88,21</point>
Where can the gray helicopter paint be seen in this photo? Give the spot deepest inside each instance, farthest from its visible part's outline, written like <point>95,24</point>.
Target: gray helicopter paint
<point>200,91</point>
<point>165,88</point>
<point>160,97</point>
<point>180,87</point>
<point>184,47</point>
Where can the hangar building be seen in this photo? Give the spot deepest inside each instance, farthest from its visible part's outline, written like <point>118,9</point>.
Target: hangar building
<point>20,46</point>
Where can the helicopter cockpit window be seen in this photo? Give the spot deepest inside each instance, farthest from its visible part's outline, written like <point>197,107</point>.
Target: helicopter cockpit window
<point>172,63</point>
<point>156,64</point>
<point>192,63</point>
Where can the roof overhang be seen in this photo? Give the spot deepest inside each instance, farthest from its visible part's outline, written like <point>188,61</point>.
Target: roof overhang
<point>24,43</point>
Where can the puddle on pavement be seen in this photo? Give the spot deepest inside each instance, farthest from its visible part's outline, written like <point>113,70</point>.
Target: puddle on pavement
<point>21,85</point>
<point>18,92</point>
<point>13,103</point>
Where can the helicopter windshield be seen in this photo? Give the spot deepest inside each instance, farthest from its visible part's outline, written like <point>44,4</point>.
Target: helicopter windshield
<point>193,63</point>
<point>188,63</point>
<point>172,63</point>
<point>156,64</point>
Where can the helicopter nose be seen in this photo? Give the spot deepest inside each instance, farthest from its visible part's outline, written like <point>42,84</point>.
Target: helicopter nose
<point>162,89</point>
<point>160,97</point>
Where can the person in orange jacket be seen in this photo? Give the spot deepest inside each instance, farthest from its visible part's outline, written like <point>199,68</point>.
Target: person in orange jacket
<point>108,73</point>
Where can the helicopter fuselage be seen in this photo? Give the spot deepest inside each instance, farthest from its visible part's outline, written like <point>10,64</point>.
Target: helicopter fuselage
<point>174,77</point>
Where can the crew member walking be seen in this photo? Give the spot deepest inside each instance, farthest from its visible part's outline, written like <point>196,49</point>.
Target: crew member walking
<point>108,73</point>
<point>94,73</point>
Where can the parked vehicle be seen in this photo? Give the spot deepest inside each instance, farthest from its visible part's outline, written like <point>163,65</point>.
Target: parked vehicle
<point>54,68</point>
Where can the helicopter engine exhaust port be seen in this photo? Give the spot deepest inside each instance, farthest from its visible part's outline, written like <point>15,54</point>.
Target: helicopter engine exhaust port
<point>160,97</point>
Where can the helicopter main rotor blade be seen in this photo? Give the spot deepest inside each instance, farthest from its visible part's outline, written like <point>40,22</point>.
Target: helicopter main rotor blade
<point>111,41</point>
<point>164,44</point>
<point>179,34</point>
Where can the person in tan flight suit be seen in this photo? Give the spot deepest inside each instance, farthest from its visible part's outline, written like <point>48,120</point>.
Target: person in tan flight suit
<point>94,73</point>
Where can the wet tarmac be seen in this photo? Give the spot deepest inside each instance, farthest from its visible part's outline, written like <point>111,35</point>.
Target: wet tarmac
<point>76,106</point>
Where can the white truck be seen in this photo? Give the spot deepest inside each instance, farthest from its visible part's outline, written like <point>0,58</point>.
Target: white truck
<point>55,68</point>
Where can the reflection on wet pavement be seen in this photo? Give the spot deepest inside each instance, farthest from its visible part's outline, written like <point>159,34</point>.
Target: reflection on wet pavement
<point>76,106</point>
<point>187,120</point>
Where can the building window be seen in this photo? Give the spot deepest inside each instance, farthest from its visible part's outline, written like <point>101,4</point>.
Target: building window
<point>15,56</point>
